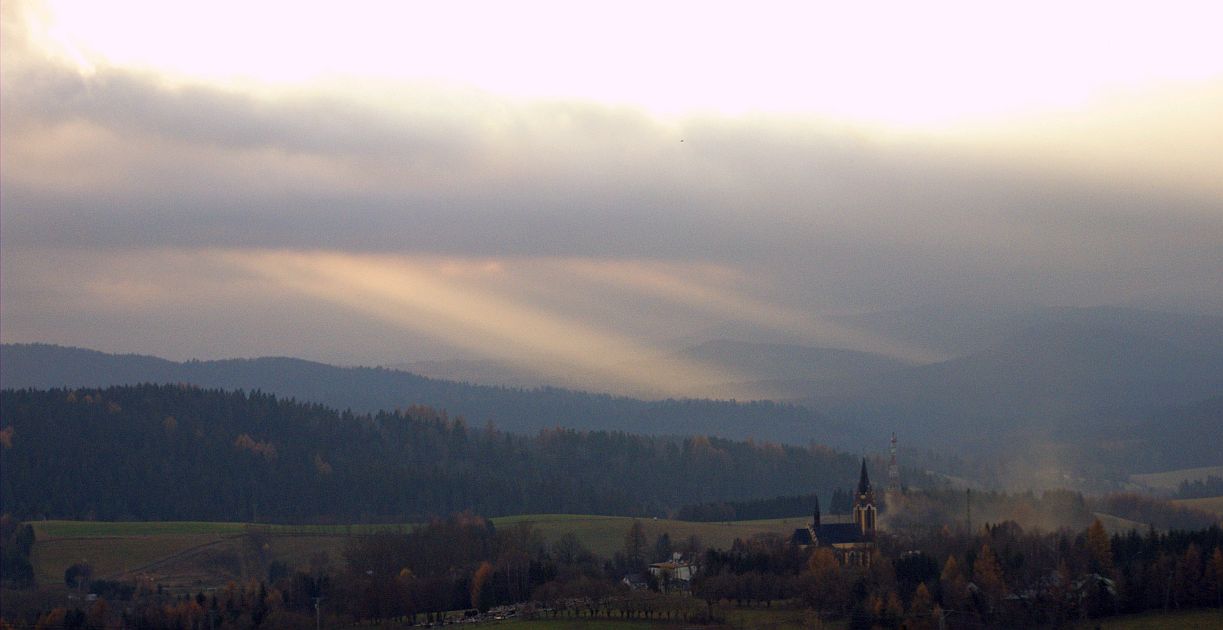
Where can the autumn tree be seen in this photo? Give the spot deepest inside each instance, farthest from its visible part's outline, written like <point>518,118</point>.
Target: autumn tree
<point>826,588</point>
<point>1100,550</point>
<point>479,581</point>
<point>1186,582</point>
<point>953,586</point>
<point>921,609</point>
<point>987,575</point>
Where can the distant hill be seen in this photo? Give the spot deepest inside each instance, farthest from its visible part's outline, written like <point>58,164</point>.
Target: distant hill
<point>771,371</point>
<point>954,330</point>
<point>478,371</point>
<point>1184,436</point>
<point>367,390</point>
<point>1073,375</point>
<point>787,371</point>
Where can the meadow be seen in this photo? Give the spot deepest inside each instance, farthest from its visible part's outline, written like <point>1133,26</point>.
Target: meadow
<point>192,555</point>
<point>1184,620</point>
<point>604,535</point>
<point>1170,479</point>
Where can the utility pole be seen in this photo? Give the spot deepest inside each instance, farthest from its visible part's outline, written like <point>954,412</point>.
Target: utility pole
<point>893,467</point>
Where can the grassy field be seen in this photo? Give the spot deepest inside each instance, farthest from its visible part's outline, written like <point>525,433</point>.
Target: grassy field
<point>1187,620</point>
<point>46,530</point>
<point>111,555</point>
<point>1169,480</point>
<point>573,624</point>
<point>193,555</point>
<point>763,618</point>
<point>783,619</point>
<point>1118,525</point>
<point>604,535</point>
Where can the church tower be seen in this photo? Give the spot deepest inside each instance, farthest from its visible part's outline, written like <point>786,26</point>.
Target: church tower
<point>864,504</point>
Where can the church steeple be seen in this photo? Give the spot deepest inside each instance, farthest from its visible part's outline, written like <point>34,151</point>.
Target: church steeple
<point>864,504</point>
<point>864,481</point>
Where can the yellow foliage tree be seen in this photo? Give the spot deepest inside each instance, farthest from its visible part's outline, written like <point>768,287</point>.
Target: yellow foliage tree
<point>987,575</point>
<point>827,588</point>
<point>921,609</point>
<point>483,572</point>
<point>953,585</point>
<point>1100,548</point>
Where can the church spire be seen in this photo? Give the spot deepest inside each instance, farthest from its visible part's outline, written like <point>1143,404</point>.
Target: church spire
<point>864,482</point>
<point>864,504</point>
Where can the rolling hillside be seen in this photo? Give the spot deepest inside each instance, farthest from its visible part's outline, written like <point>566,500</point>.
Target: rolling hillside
<point>367,390</point>
<point>787,371</point>
<point>173,452</point>
<point>1085,374</point>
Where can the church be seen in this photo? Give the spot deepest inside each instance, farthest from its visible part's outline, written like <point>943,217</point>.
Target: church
<point>852,541</point>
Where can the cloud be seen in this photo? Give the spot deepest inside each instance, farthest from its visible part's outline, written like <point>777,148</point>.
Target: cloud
<point>618,227</point>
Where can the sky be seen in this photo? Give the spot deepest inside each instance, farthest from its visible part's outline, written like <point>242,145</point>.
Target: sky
<point>582,188</point>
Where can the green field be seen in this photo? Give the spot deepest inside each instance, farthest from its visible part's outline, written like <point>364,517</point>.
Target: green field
<point>45,530</point>
<point>574,624</point>
<point>778,618</point>
<point>604,535</point>
<point>1209,504</point>
<point>112,556</point>
<point>781,619</point>
<point>1170,479</point>
<point>192,555</point>
<point>1187,620</point>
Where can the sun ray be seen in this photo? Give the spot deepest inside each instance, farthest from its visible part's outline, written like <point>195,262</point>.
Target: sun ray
<point>431,300</point>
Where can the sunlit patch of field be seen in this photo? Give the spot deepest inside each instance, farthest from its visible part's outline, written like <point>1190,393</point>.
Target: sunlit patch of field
<point>1209,504</point>
<point>1170,479</point>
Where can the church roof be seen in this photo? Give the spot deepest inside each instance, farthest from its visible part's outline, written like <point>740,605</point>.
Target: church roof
<point>829,534</point>
<point>836,533</point>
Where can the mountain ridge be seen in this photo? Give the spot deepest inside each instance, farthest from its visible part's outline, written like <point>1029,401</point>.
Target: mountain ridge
<point>368,390</point>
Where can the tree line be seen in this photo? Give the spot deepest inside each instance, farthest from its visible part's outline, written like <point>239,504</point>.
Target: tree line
<point>998,575</point>
<point>176,452</point>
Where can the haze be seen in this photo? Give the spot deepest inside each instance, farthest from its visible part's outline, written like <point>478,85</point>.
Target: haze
<point>583,189</point>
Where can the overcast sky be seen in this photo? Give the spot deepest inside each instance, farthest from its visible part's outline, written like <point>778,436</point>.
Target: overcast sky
<point>579,185</point>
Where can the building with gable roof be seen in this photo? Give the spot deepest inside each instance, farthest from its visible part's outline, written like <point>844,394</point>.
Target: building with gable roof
<point>852,541</point>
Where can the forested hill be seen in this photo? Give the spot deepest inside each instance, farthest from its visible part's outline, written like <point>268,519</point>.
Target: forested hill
<point>177,452</point>
<point>369,390</point>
